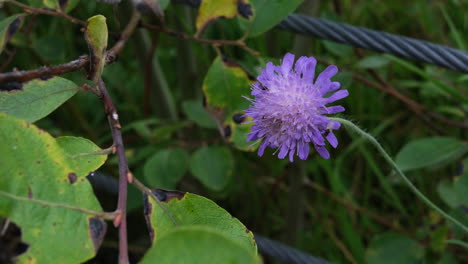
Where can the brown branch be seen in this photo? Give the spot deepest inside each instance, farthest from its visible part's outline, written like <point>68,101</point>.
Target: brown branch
<point>214,42</point>
<point>43,11</point>
<point>75,65</point>
<point>124,173</point>
<point>23,76</point>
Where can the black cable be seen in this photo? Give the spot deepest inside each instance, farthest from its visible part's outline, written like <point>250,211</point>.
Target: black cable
<point>409,48</point>
<point>284,253</point>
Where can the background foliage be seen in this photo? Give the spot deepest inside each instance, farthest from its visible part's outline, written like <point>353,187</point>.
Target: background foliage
<point>180,105</point>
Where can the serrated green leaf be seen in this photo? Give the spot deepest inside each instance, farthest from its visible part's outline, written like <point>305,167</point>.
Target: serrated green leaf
<point>8,27</point>
<point>34,165</point>
<point>96,36</point>
<point>213,166</point>
<point>267,14</point>
<point>393,248</point>
<point>224,86</point>
<point>198,244</point>
<point>165,168</point>
<point>429,152</point>
<point>37,98</point>
<point>195,112</point>
<point>189,210</point>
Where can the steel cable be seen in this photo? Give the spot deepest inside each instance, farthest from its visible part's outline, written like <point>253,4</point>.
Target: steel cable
<point>383,42</point>
<point>284,253</point>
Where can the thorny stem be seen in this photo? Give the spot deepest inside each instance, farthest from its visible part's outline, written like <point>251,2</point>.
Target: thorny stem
<point>124,173</point>
<point>351,126</point>
<point>213,42</point>
<point>103,215</point>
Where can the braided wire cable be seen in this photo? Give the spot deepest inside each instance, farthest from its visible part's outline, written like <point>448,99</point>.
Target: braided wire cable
<point>284,253</point>
<point>383,42</point>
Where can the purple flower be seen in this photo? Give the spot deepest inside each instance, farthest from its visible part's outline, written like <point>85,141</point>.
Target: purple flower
<point>289,108</point>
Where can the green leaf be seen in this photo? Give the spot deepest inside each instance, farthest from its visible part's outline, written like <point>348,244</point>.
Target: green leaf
<point>58,5</point>
<point>34,165</point>
<point>188,210</point>
<point>96,36</point>
<point>267,14</point>
<point>213,166</point>
<point>68,5</point>
<point>372,62</point>
<point>393,248</point>
<point>8,27</point>
<point>37,98</point>
<point>429,152</point>
<point>52,4</point>
<point>50,47</point>
<point>163,4</point>
<point>197,244</point>
<point>454,194</point>
<point>447,194</point>
<point>224,86</point>
<point>195,112</point>
<point>338,49</point>
<point>165,168</point>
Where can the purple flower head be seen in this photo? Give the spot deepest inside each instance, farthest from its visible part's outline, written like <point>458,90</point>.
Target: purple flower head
<point>289,108</point>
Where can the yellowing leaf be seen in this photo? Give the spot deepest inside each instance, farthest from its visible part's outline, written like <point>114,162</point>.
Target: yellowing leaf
<point>210,10</point>
<point>34,165</point>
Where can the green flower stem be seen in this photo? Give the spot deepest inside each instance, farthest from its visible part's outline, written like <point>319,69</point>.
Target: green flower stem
<point>351,126</point>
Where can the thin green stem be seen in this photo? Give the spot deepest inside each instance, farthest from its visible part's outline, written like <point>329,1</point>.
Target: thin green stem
<point>351,126</point>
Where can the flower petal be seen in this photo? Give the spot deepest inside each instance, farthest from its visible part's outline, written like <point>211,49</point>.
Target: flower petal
<point>322,151</point>
<point>305,68</point>
<point>329,72</point>
<point>287,64</point>
<point>291,156</point>
<point>303,151</point>
<point>283,152</point>
<point>337,96</point>
<point>333,125</point>
<point>332,139</point>
<point>332,109</point>
<point>262,148</point>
